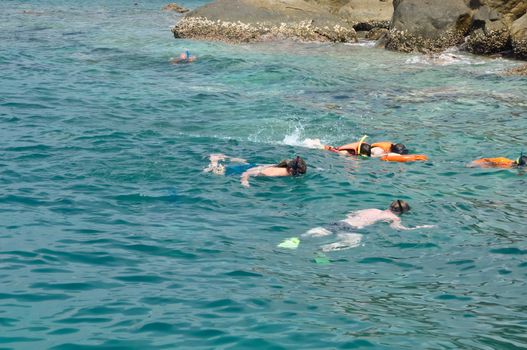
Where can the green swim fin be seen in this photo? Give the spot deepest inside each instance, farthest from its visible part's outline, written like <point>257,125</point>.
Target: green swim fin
<point>321,259</point>
<point>289,243</point>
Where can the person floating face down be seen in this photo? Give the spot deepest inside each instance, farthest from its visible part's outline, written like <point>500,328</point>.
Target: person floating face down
<point>499,162</point>
<point>288,167</point>
<point>377,149</point>
<point>358,220</point>
<point>366,217</point>
<point>184,57</point>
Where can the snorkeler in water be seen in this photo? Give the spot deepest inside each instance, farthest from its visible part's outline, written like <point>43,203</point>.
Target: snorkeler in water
<point>360,219</point>
<point>352,149</point>
<point>184,57</point>
<point>377,149</point>
<point>238,166</point>
<point>499,162</point>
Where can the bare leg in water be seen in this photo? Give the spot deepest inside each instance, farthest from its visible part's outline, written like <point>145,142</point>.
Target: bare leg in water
<point>345,238</point>
<point>217,167</point>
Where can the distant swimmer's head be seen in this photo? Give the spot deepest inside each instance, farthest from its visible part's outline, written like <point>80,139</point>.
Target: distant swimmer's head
<point>185,55</point>
<point>295,167</point>
<point>365,149</point>
<point>521,161</point>
<point>399,207</point>
<point>399,148</point>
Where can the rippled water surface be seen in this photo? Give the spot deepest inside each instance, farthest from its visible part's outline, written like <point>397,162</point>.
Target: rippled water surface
<point>111,237</point>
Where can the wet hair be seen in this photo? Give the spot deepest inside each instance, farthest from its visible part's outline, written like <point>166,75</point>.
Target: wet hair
<point>295,167</point>
<point>365,149</point>
<point>399,207</point>
<point>522,161</point>
<point>399,148</point>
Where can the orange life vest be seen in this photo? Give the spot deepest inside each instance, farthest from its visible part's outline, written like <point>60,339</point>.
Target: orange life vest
<point>386,146</point>
<point>499,162</point>
<point>404,158</point>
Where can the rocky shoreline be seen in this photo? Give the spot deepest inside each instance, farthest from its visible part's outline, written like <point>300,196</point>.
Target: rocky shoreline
<point>484,27</point>
<point>236,32</point>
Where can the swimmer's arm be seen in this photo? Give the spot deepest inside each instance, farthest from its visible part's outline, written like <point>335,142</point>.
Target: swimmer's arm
<point>238,160</point>
<point>396,224</point>
<point>244,179</point>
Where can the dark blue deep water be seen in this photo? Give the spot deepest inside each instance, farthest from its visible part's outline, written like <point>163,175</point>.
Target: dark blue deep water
<point>112,237</point>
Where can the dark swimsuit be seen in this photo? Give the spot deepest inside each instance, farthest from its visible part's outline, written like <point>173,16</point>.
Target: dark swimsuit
<point>339,226</point>
<point>238,169</point>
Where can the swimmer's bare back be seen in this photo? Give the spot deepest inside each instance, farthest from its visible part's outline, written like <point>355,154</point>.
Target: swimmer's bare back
<point>262,170</point>
<point>366,217</point>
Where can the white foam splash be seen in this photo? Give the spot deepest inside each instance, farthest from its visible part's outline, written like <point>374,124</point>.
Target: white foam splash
<point>346,241</point>
<point>365,43</point>
<point>295,139</point>
<point>445,58</point>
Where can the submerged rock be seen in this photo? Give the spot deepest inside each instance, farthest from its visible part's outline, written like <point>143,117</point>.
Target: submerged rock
<point>176,8</point>
<point>520,70</point>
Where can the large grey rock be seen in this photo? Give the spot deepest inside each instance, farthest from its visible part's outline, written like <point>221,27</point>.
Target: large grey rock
<point>511,9</point>
<point>368,14</point>
<point>253,20</point>
<point>428,25</point>
<point>519,36</point>
<point>485,13</point>
<point>489,32</point>
<point>264,11</point>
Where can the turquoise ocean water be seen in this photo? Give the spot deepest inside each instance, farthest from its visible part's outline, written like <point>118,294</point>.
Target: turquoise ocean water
<point>111,237</point>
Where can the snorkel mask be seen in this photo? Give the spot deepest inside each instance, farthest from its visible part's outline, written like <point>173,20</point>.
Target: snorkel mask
<point>400,206</point>
<point>397,207</point>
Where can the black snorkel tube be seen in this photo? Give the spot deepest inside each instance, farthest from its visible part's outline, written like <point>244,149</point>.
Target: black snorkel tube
<point>294,166</point>
<point>519,160</point>
<point>400,206</point>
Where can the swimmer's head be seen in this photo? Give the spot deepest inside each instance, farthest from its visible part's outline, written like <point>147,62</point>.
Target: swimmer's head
<point>399,148</point>
<point>295,167</point>
<point>522,160</point>
<point>365,149</point>
<point>185,55</point>
<point>399,207</point>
